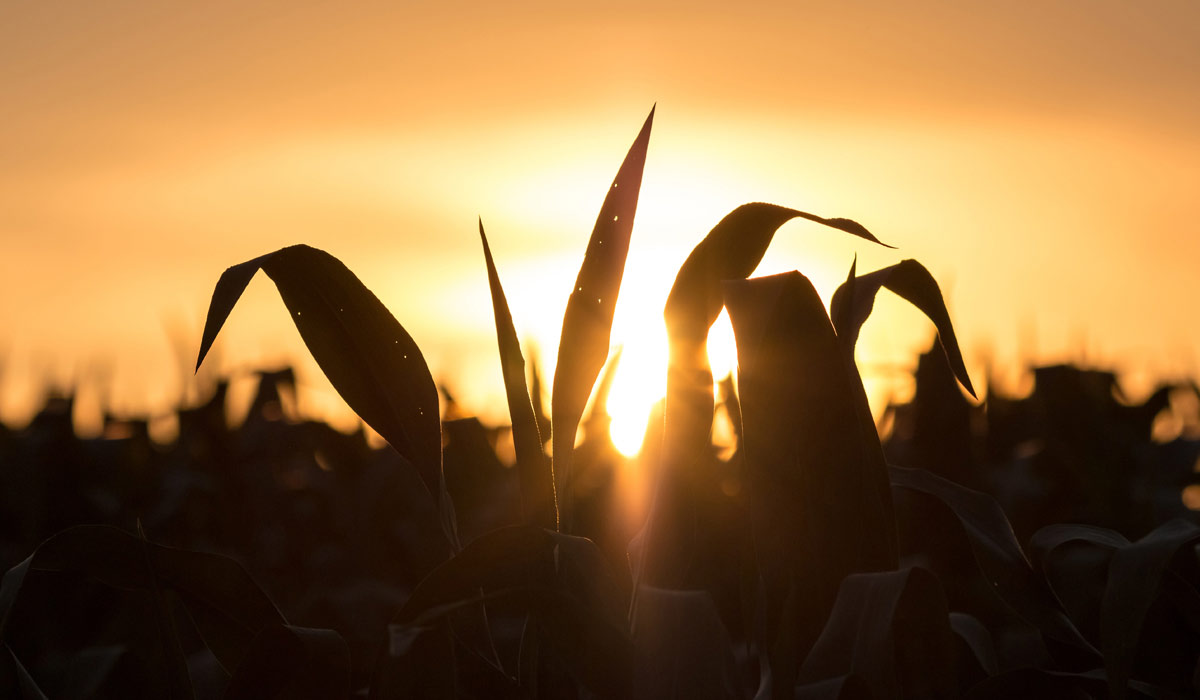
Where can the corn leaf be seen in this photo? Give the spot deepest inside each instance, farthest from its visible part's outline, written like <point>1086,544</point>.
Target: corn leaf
<point>730,251</point>
<point>587,322</point>
<point>853,301</point>
<point>892,630</point>
<point>813,481</point>
<point>537,483</point>
<point>997,552</point>
<point>1134,579</point>
<point>368,356</point>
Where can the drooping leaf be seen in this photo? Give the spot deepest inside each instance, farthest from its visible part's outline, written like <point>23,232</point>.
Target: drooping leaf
<point>997,552</point>
<point>731,251</point>
<point>368,356</point>
<point>853,301</point>
<point>538,502</point>
<point>817,489</point>
<point>587,322</point>
<point>293,662</point>
<point>892,630</point>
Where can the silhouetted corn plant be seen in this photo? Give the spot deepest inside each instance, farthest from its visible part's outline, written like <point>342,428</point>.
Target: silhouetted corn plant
<point>795,589</point>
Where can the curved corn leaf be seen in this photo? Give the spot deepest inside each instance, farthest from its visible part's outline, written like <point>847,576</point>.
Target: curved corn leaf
<point>892,630</point>
<point>731,251</point>
<point>587,322</point>
<point>997,552</point>
<point>852,303</point>
<point>368,356</point>
<point>538,503</point>
<point>1134,579</point>
<point>293,662</point>
<point>817,490</point>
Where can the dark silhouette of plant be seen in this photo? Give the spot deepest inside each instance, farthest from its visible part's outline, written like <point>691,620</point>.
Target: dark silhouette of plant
<point>806,565</point>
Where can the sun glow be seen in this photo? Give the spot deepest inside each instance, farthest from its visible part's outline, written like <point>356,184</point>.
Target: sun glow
<point>641,379</point>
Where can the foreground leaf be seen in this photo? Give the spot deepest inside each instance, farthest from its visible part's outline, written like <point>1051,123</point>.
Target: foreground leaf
<point>817,489</point>
<point>997,552</point>
<point>853,301</point>
<point>587,322</point>
<point>1133,578</point>
<point>892,630</point>
<point>368,356</point>
<point>538,502</point>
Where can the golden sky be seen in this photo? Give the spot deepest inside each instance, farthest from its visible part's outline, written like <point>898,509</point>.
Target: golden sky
<point>1042,159</point>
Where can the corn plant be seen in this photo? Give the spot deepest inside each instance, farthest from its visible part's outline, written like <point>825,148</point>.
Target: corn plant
<point>796,589</point>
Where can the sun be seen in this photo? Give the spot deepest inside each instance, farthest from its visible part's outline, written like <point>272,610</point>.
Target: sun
<point>641,378</point>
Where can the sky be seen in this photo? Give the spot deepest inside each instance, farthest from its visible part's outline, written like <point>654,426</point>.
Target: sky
<point>1041,159</point>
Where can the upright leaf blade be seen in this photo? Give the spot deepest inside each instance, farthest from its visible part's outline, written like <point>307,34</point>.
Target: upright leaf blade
<point>587,322</point>
<point>538,501</point>
<point>368,356</point>
<point>853,301</point>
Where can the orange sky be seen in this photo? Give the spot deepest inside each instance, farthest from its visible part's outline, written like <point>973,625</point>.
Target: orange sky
<point>1041,160</point>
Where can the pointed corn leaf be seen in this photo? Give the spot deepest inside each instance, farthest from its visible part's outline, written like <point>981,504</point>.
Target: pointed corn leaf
<point>852,304</point>
<point>817,487</point>
<point>293,662</point>
<point>997,552</point>
<point>368,356</point>
<point>587,322</point>
<point>731,251</point>
<point>892,630</point>
<point>537,483</point>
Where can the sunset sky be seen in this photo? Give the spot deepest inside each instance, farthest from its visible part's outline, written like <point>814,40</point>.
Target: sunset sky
<point>1042,159</point>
